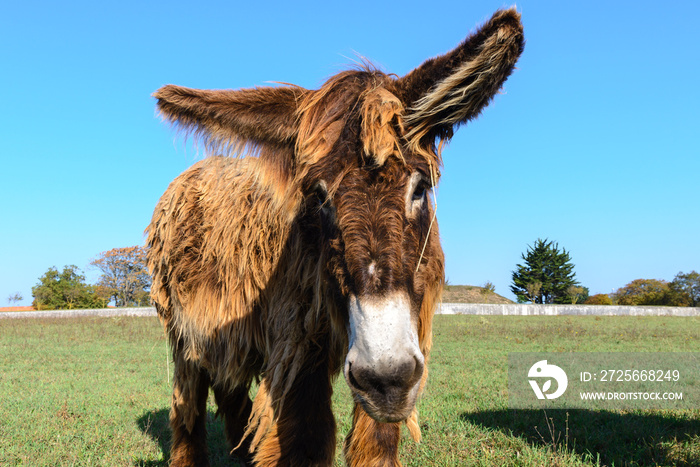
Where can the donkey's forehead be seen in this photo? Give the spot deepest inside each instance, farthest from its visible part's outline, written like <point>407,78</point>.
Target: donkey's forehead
<point>381,125</point>
<point>379,177</point>
<point>358,134</point>
<point>358,110</point>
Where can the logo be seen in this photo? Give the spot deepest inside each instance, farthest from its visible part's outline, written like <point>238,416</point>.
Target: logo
<point>542,369</point>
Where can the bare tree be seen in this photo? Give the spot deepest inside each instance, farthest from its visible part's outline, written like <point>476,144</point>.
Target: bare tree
<point>14,298</point>
<point>124,277</point>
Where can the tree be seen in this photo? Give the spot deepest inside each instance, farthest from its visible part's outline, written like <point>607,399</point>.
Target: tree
<point>487,290</point>
<point>642,292</point>
<point>684,289</point>
<point>65,290</point>
<point>15,297</point>
<point>125,277</point>
<point>576,294</point>
<point>533,291</point>
<point>599,299</point>
<point>545,276</point>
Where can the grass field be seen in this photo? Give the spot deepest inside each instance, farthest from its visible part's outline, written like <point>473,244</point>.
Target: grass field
<point>96,392</point>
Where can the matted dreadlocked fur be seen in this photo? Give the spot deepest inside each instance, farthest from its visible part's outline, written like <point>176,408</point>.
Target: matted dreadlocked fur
<point>256,261</point>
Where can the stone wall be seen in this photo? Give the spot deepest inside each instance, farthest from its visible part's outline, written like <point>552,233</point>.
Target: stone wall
<point>556,310</point>
<point>104,312</point>
<point>445,308</point>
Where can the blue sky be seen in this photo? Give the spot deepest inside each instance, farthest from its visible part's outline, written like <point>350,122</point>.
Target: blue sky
<point>594,142</point>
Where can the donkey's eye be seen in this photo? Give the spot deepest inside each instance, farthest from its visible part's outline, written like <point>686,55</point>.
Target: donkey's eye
<point>420,191</point>
<point>321,192</point>
<point>321,196</point>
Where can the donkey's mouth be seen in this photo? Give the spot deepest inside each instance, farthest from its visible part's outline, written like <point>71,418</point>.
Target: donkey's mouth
<point>387,410</point>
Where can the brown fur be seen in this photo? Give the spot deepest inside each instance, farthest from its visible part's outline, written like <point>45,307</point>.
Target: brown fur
<point>370,442</point>
<point>253,259</point>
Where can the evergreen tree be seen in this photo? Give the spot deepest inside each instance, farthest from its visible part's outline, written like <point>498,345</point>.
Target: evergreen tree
<point>546,275</point>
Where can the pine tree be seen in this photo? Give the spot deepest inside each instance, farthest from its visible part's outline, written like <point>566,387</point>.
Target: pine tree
<point>545,276</point>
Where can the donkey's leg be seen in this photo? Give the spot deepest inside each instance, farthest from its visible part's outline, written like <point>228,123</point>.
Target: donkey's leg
<point>370,442</point>
<point>235,407</point>
<point>304,434</point>
<point>188,414</point>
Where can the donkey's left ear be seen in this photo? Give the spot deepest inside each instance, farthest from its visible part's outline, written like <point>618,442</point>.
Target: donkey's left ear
<point>452,89</point>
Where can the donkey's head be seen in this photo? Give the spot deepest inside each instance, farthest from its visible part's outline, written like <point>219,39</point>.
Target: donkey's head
<point>362,154</point>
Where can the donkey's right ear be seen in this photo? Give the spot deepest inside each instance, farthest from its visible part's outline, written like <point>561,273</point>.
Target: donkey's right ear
<point>233,121</point>
<point>451,89</point>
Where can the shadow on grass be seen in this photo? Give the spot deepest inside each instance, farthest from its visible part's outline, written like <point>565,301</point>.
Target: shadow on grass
<point>620,439</point>
<point>156,424</point>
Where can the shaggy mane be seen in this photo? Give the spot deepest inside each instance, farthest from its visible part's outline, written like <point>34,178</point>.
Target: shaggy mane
<point>365,94</point>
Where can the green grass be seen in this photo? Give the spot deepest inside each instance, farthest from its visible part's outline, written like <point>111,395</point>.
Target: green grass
<point>95,391</point>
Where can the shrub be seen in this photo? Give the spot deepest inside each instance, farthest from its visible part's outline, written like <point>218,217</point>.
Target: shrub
<point>599,299</point>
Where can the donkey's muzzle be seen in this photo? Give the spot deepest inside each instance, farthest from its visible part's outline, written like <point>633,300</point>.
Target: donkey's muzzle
<point>384,365</point>
<point>386,392</point>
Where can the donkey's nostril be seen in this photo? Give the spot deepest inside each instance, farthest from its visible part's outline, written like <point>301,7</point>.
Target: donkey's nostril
<point>418,367</point>
<point>406,371</point>
<point>351,378</point>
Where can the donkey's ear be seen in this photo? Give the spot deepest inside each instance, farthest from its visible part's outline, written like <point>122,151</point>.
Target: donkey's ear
<point>453,88</point>
<point>233,120</point>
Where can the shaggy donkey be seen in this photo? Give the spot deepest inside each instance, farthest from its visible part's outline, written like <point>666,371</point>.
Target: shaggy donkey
<point>321,254</point>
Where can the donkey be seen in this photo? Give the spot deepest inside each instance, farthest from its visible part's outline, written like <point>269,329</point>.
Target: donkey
<point>314,251</point>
